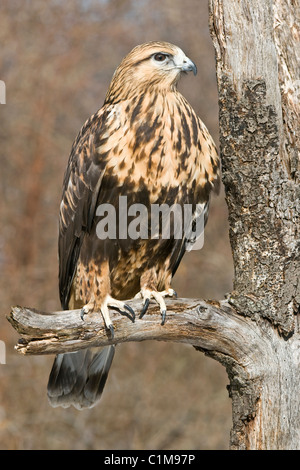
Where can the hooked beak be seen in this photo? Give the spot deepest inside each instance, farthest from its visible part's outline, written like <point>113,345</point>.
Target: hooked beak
<point>189,66</point>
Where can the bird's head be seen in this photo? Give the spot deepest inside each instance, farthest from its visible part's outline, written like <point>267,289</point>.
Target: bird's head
<point>148,65</point>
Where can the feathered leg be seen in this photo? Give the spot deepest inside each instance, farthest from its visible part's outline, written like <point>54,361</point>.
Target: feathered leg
<point>94,289</point>
<point>149,291</point>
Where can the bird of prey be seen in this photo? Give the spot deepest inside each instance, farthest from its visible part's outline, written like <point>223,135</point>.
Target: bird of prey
<point>146,143</point>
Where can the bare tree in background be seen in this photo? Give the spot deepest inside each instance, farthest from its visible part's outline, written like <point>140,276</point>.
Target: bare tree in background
<point>255,332</point>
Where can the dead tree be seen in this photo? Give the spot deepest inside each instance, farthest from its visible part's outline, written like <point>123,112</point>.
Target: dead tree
<point>254,333</point>
<point>256,46</point>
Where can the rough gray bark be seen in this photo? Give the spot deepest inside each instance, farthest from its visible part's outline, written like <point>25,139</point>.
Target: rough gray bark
<point>257,56</point>
<point>260,152</point>
<point>255,333</point>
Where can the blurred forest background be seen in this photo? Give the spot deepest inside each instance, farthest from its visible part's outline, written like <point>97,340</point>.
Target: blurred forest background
<point>57,59</point>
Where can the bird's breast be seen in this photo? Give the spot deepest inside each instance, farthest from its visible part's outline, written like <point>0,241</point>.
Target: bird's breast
<point>157,142</point>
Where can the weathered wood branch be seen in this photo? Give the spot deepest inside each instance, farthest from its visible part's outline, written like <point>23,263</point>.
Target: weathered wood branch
<point>209,325</point>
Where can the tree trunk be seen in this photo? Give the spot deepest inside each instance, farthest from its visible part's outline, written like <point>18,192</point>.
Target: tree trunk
<point>258,84</point>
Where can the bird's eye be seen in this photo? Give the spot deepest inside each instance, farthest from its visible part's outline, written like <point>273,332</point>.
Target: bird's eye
<point>159,57</point>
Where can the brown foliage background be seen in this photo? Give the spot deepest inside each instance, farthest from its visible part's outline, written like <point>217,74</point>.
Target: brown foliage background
<point>57,59</point>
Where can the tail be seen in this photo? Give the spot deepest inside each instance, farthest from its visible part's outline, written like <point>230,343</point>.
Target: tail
<point>79,378</point>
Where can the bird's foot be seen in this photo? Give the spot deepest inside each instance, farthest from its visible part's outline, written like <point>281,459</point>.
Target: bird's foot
<point>109,301</point>
<point>146,294</point>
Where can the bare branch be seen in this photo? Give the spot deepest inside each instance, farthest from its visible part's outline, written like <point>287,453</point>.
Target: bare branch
<point>208,325</point>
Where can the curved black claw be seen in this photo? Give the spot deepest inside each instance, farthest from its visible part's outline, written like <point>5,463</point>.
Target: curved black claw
<point>145,308</point>
<point>130,315</point>
<point>175,294</point>
<point>112,331</point>
<point>163,317</point>
<point>82,313</point>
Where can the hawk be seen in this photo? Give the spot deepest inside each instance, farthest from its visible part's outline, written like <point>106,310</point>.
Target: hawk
<point>146,143</point>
